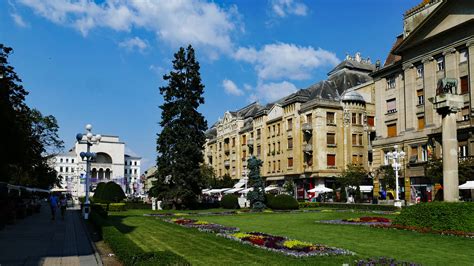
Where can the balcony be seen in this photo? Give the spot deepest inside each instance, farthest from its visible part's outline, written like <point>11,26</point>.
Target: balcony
<point>250,142</point>
<point>226,163</point>
<point>308,148</point>
<point>307,128</point>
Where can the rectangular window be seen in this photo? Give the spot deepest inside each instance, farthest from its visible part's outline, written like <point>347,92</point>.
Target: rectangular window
<point>419,71</point>
<point>278,146</point>
<point>274,130</point>
<point>60,169</point>
<point>67,160</point>
<point>309,119</point>
<point>360,139</point>
<point>420,96</point>
<point>279,166</point>
<point>72,160</point>
<point>331,138</point>
<point>463,56</point>
<point>391,106</point>
<point>67,169</point>
<point>331,160</point>
<point>392,130</point>
<point>371,121</point>
<point>72,169</point>
<point>289,124</point>
<point>464,85</point>
<point>354,139</point>
<point>244,155</point>
<point>61,160</point>
<point>414,152</point>
<point>361,120</point>
<point>424,153</point>
<point>278,129</point>
<point>290,162</point>
<point>355,159</point>
<point>233,142</point>
<point>391,83</point>
<point>440,64</point>
<point>290,143</point>
<point>421,122</point>
<point>354,118</point>
<point>269,132</point>
<point>330,118</point>
<point>259,133</point>
<point>465,113</point>
<point>259,150</point>
<point>135,171</point>
<point>244,139</point>
<point>463,152</point>
<point>269,167</point>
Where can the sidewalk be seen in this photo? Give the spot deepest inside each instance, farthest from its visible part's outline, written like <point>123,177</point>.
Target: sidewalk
<point>38,240</point>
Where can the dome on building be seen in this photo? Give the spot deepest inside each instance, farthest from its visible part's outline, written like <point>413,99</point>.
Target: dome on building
<point>353,96</point>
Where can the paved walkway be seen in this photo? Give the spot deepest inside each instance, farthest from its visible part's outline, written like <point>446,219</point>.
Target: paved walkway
<point>38,240</point>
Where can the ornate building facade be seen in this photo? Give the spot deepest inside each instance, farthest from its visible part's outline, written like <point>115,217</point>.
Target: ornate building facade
<point>111,164</point>
<point>437,44</point>
<point>309,136</point>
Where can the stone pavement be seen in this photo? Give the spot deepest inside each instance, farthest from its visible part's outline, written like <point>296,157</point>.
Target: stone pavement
<point>38,240</point>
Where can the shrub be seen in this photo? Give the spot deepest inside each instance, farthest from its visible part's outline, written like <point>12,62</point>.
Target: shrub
<point>369,207</point>
<point>100,209</point>
<point>439,216</point>
<point>283,202</point>
<point>230,201</point>
<point>128,252</point>
<point>112,192</point>
<point>99,191</point>
<point>137,206</point>
<point>117,207</point>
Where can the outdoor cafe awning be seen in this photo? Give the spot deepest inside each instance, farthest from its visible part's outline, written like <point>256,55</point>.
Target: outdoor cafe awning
<point>216,191</point>
<point>270,188</point>
<point>230,191</point>
<point>467,185</point>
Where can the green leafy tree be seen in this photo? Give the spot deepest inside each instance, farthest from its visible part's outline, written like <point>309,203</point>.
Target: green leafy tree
<point>289,187</point>
<point>111,192</point>
<point>179,145</point>
<point>434,170</point>
<point>30,139</point>
<point>354,176</point>
<point>386,175</point>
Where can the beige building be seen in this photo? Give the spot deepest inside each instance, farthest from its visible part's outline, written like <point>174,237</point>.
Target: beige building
<point>437,43</point>
<point>309,136</point>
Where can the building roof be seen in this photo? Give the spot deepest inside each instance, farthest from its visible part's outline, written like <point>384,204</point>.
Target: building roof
<point>392,57</point>
<point>352,96</point>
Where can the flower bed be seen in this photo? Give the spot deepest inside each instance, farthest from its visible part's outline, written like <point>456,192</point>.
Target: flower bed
<point>426,230</point>
<point>383,262</point>
<point>367,220</point>
<point>204,226</point>
<point>286,246</point>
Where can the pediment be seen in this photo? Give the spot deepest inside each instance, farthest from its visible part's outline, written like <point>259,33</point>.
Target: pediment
<point>444,18</point>
<point>227,118</point>
<point>275,112</point>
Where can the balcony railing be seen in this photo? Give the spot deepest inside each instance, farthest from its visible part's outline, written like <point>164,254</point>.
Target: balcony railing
<point>307,128</point>
<point>227,163</point>
<point>308,147</point>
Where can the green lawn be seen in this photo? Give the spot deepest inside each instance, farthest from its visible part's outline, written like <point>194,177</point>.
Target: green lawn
<point>204,248</point>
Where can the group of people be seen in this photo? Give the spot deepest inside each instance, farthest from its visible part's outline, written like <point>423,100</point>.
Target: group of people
<point>55,203</point>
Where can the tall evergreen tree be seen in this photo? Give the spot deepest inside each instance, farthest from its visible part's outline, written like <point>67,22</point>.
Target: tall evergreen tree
<point>180,143</point>
<point>28,138</point>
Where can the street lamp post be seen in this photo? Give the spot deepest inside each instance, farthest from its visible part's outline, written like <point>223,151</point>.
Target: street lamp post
<point>88,157</point>
<point>396,156</point>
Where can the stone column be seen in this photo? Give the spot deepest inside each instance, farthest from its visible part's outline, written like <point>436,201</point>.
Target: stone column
<point>447,105</point>
<point>410,112</point>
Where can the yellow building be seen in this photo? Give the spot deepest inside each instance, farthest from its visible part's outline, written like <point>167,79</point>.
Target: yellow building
<point>437,43</point>
<point>309,136</point>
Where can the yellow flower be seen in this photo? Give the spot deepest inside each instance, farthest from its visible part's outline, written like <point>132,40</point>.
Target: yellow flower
<point>201,222</point>
<point>241,235</point>
<point>296,244</point>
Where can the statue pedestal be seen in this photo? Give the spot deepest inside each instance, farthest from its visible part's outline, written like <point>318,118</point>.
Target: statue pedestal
<point>447,105</point>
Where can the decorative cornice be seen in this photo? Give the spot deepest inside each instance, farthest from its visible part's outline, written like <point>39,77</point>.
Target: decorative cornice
<point>449,51</point>
<point>427,59</point>
<point>469,43</point>
<point>408,66</point>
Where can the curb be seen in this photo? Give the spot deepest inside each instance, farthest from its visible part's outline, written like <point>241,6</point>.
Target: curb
<point>94,248</point>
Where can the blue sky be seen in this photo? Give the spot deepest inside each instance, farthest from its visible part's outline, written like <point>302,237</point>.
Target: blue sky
<point>102,62</point>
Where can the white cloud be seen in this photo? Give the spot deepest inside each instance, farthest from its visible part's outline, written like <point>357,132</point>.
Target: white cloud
<point>231,88</point>
<point>273,91</point>
<point>282,8</point>
<point>19,20</point>
<point>134,44</point>
<point>179,23</point>
<point>247,87</point>
<point>286,61</point>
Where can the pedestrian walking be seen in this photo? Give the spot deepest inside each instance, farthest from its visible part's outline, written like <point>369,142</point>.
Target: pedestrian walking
<point>63,204</point>
<point>53,203</point>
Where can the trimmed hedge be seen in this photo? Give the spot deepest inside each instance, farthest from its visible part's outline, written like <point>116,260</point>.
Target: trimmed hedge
<point>439,216</point>
<point>113,207</point>
<point>128,252</point>
<point>282,202</point>
<point>230,201</point>
<point>137,206</point>
<point>370,207</point>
